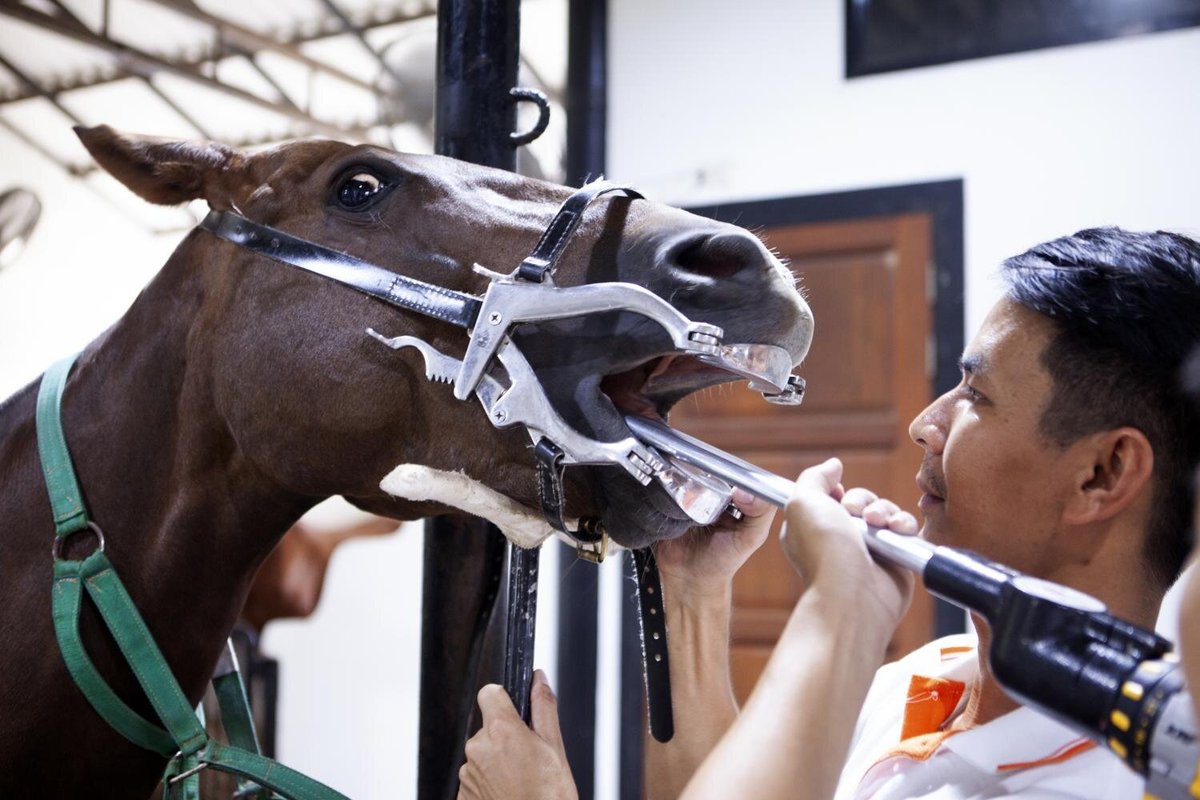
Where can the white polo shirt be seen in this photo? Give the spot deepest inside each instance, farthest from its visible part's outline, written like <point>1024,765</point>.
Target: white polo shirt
<point>907,744</point>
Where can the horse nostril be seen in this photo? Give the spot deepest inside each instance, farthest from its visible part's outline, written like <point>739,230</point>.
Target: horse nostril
<point>721,255</point>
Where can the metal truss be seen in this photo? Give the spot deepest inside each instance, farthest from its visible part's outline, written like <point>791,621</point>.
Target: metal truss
<point>227,39</point>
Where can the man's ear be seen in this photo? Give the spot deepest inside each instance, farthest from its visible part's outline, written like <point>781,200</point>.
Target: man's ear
<point>164,171</point>
<point>1117,471</point>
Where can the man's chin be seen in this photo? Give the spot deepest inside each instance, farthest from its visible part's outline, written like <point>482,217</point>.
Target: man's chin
<point>934,534</point>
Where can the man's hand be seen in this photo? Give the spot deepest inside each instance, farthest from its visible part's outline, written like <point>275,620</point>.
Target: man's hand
<point>704,560</point>
<point>507,760</point>
<point>826,547</point>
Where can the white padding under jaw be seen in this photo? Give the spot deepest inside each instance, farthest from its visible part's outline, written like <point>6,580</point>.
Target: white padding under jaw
<point>521,525</point>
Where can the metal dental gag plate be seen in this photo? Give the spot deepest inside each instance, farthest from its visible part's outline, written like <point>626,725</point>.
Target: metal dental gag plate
<point>510,301</point>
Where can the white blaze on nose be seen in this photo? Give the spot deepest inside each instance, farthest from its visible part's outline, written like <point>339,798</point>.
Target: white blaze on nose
<point>520,524</point>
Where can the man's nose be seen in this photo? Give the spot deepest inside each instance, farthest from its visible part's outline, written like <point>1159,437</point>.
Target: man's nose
<point>928,428</point>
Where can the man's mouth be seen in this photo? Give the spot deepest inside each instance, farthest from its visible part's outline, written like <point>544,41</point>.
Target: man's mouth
<point>933,491</point>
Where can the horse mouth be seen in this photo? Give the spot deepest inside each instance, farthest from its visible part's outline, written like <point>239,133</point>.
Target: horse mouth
<point>636,515</point>
<point>652,388</point>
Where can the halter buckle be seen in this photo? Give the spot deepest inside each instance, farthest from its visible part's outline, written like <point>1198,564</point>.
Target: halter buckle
<point>596,551</point>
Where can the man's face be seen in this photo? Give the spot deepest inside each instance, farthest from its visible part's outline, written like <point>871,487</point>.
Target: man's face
<point>990,481</point>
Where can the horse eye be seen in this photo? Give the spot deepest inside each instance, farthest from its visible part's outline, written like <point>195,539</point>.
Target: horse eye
<point>356,192</point>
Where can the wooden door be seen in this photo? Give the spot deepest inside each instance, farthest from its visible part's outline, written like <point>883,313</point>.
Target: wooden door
<point>868,375</point>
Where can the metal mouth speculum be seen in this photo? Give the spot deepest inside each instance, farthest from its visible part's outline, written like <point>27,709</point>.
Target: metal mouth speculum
<point>521,399</point>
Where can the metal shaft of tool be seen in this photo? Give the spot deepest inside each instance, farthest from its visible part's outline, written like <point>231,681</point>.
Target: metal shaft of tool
<point>905,551</point>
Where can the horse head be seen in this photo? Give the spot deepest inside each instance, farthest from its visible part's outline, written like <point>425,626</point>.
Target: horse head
<point>318,407</point>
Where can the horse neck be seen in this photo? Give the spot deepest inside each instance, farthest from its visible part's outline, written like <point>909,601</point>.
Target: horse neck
<point>186,519</point>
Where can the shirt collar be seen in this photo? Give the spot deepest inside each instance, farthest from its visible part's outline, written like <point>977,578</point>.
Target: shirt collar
<point>1020,739</point>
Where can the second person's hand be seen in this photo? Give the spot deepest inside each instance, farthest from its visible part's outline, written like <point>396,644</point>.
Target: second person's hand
<point>703,560</point>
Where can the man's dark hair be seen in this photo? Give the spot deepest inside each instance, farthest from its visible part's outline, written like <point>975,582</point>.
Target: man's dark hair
<point>1126,309</point>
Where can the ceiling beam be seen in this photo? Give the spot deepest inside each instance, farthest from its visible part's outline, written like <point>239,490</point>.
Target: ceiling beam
<point>70,82</point>
<point>141,64</point>
<point>251,41</point>
<point>358,33</point>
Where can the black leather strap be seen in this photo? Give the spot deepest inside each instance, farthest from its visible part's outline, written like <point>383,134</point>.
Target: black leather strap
<point>655,660</point>
<point>398,290</point>
<point>549,459</point>
<point>541,261</point>
<point>521,625</point>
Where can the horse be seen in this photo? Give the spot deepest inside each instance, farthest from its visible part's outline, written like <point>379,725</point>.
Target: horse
<point>236,392</point>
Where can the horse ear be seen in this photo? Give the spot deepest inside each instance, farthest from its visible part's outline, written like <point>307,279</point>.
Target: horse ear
<point>165,171</point>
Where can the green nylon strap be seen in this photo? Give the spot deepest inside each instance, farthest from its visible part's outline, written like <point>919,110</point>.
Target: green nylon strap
<point>66,500</point>
<point>267,772</point>
<point>235,711</point>
<point>185,735</point>
<point>66,597</point>
<point>143,655</point>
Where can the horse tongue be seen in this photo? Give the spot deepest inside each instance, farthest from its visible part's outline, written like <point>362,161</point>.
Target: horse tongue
<point>624,389</point>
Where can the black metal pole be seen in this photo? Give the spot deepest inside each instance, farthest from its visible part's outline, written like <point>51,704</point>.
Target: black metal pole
<point>586,103</point>
<point>478,46</point>
<point>587,89</point>
<point>477,52</point>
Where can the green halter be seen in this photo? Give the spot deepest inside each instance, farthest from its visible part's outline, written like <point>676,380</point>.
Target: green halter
<point>181,737</point>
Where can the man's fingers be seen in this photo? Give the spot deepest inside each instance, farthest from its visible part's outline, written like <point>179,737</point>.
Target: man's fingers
<point>544,711</point>
<point>750,505</point>
<point>857,500</point>
<point>886,514</point>
<point>823,478</point>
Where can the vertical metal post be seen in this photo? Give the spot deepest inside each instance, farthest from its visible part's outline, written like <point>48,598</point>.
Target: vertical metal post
<point>578,635</point>
<point>478,46</point>
<point>477,52</point>
<point>587,89</point>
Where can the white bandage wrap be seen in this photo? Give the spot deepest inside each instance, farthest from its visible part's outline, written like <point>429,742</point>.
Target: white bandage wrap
<point>521,525</point>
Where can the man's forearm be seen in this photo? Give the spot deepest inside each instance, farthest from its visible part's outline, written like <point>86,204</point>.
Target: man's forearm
<point>796,727</point>
<point>701,692</point>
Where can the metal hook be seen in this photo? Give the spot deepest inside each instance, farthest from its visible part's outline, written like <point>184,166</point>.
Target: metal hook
<point>518,95</point>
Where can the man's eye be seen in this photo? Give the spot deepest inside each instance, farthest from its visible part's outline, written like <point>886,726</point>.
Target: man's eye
<point>356,191</point>
<point>971,392</point>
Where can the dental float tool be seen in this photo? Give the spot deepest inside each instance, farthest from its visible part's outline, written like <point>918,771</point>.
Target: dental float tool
<point>1053,648</point>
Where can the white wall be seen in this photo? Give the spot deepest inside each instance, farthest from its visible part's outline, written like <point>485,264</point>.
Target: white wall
<point>713,101</point>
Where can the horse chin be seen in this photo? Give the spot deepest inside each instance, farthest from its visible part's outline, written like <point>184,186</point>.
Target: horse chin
<point>636,515</point>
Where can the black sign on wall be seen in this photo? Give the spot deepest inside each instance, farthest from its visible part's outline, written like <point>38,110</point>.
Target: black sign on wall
<point>889,35</point>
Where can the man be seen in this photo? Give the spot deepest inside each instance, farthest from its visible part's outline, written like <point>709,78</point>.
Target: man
<point>1064,453</point>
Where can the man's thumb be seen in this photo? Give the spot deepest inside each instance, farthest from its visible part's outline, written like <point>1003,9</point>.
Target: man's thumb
<point>544,711</point>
